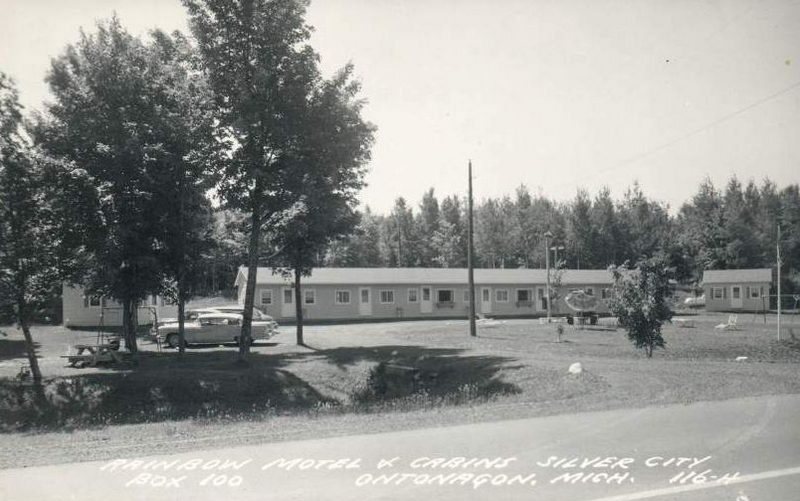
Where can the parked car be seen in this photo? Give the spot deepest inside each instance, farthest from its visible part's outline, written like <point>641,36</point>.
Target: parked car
<point>215,328</point>
<point>696,302</point>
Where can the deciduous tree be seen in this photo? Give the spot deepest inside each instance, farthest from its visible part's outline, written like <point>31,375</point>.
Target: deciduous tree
<point>640,301</point>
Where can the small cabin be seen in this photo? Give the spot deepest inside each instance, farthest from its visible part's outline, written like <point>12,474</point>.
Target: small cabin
<point>85,310</point>
<point>737,290</point>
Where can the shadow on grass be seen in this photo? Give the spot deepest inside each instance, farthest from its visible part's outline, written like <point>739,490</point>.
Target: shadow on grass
<point>13,348</point>
<point>436,372</point>
<point>209,384</point>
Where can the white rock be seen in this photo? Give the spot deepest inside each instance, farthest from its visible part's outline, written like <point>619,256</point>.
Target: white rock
<point>741,359</point>
<point>576,368</point>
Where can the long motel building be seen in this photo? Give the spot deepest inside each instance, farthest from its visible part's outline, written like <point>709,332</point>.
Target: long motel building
<point>363,294</point>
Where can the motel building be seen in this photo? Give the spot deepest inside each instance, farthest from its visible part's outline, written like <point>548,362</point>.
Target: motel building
<point>737,290</point>
<point>363,294</point>
<point>83,310</point>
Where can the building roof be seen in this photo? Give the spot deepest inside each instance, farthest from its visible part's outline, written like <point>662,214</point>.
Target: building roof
<point>737,276</point>
<point>429,276</point>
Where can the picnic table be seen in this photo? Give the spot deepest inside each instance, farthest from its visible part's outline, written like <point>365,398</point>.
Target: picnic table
<point>93,354</point>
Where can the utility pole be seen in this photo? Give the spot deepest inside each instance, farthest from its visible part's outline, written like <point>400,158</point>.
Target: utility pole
<point>778,255</point>
<point>471,272</point>
<point>547,237</point>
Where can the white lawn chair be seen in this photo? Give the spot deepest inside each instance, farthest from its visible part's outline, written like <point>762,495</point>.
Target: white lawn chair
<point>731,325</point>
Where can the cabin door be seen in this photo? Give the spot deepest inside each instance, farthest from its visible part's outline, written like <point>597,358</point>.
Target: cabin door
<point>486,300</point>
<point>364,301</point>
<point>736,296</point>
<point>287,303</point>
<point>426,301</point>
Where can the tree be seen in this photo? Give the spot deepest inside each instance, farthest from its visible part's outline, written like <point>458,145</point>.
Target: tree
<point>325,177</point>
<point>604,219</point>
<point>427,225</point>
<point>639,300</point>
<point>453,214</point>
<point>581,232</point>
<point>361,248</point>
<point>523,226</point>
<point>492,238</point>
<point>114,115</point>
<point>39,198</point>
<point>400,238</point>
<point>186,120</point>
<point>261,70</point>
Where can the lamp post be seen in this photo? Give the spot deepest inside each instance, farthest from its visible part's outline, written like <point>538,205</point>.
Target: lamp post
<point>547,237</point>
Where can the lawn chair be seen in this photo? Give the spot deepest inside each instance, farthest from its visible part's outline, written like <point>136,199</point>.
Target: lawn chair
<point>730,326</point>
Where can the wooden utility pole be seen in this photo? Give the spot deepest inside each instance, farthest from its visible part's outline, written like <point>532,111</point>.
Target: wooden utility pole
<point>471,272</point>
<point>778,255</point>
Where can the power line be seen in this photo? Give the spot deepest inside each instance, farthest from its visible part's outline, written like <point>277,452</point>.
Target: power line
<point>699,130</point>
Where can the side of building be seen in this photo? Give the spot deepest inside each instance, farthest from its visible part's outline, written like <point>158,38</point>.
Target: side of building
<point>737,290</point>
<point>83,310</point>
<point>337,294</point>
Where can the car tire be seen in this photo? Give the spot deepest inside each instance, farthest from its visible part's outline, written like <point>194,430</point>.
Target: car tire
<point>172,341</point>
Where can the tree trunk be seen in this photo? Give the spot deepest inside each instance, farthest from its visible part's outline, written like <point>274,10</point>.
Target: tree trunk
<point>252,270</point>
<point>129,325</point>
<point>298,304</point>
<point>181,332</point>
<point>30,349</point>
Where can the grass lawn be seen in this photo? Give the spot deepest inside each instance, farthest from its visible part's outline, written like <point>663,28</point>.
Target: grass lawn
<point>512,370</point>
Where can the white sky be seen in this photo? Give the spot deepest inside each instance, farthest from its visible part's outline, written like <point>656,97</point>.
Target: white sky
<point>553,94</point>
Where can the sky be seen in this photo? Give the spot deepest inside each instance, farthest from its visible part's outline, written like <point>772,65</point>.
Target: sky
<point>556,95</point>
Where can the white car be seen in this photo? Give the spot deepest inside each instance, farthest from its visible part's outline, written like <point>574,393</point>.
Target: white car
<point>695,301</point>
<point>215,328</point>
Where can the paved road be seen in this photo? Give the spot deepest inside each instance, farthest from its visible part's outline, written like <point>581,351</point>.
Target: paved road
<point>736,450</point>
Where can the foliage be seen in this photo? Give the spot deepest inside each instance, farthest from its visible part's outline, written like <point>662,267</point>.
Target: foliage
<point>326,174</point>
<point>262,73</point>
<point>640,301</point>
<point>40,198</point>
<point>126,111</point>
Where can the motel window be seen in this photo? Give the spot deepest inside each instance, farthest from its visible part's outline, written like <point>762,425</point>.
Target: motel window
<point>445,296</point>
<point>94,301</point>
<point>736,292</point>
<point>387,297</point>
<point>342,297</point>
<point>589,291</point>
<point>426,294</point>
<point>605,293</point>
<point>716,292</point>
<point>501,295</point>
<point>485,295</point>
<point>154,300</point>
<point>524,295</point>
<point>266,297</point>
<point>412,295</point>
<point>309,296</point>
<point>288,296</point>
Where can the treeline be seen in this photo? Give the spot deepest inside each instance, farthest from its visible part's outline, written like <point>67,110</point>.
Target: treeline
<point>718,228</point>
